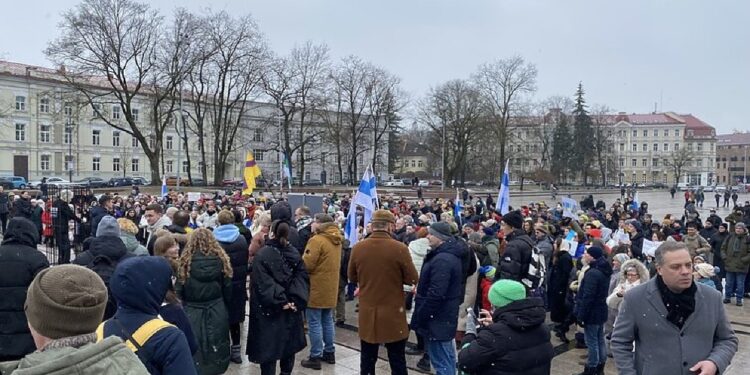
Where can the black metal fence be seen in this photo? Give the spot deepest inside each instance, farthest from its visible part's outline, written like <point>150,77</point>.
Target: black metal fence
<point>81,202</point>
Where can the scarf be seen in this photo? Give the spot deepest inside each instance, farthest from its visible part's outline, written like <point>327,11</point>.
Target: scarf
<point>679,305</point>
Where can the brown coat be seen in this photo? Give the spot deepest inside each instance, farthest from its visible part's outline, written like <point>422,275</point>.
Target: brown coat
<point>322,259</point>
<point>382,266</point>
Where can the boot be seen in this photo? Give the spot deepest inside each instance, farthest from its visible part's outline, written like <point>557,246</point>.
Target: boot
<point>588,371</point>
<point>329,357</point>
<point>600,369</point>
<point>311,363</point>
<point>424,364</point>
<point>580,342</point>
<point>236,356</point>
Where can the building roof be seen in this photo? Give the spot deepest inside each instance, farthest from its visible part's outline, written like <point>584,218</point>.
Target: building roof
<point>738,139</point>
<point>414,149</point>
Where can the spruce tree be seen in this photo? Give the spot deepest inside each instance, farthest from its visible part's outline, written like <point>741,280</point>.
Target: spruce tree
<point>562,147</point>
<point>581,156</point>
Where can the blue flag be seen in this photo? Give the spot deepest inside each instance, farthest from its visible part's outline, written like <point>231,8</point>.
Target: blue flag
<point>458,208</point>
<point>350,230</point>
<point>503,198</point>
<point>164,190</point>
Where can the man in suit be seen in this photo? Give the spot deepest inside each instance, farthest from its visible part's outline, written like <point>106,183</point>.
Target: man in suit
<point>678,326</point>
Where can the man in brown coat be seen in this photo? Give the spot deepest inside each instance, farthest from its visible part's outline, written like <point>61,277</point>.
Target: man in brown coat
<point>322,259</point>
<point>382,266</point>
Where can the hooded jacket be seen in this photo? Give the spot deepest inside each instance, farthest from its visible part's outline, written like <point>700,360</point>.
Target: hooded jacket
<point>517,342</point>
<point>97,213</point>
<point>139,286</point>
<point>613,301</point>
<point>19,263</point>
<point>236,248</point>
<point>440,292</point>
<point>736,252</point>
<point>132,245</point>
<point>322,259</point>
<point>283,212</point>
<point>591,300</point>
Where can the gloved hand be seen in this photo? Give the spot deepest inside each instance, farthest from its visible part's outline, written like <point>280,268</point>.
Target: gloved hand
<point>471,324</point>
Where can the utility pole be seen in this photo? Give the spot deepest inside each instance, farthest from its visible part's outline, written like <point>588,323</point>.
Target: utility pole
<point>442,173</point>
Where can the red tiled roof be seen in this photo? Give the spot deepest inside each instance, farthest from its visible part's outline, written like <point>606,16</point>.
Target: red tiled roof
<point>698,127</point>
<point>733,139</point>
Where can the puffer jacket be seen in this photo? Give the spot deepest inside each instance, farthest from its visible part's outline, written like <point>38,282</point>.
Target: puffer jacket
<point>514,264</point>
<point>322,259</point>
<point>20,261</point>
<point>132,245</point>
<point>235,245</point>
<point>517,342</point>
<point>591,300</point>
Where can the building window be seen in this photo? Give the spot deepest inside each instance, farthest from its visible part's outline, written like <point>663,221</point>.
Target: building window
<point>68,135</point>
<point>645,133</point>
<point>116,138</point>
<point>666,147</point>
<point>700,147</point>
<point>184,166</point>
<point>622,162</point>
<point>115,112</point>
<point>419,164</point>
<point>413,163</point>
<point>644,163</point>
<point>677,132</point>
<point>68,112</point>
<point>656,147</point>
<point>170,165</point>
<point>635,147</point>
<point>69,163</point>
<point>622,147</point>
<point>96,108</point>
<point>635,133</point>
<point>20,132</point>
<point>44,105</point>
<point>134,112</point>
<point>20,103</point>
<point>116,164</point>
<point>95,137</point>
<point>260,155</point>
<point>666,132</point>
<point>257,135</point>
<point>134,165</point>
<point>169,142</point>
<point>44,133</point>
<point>699,163</point>
<point>134,142</point>
<point>96,164</point>
<point>655,162</point>
<point>690,147</point>
<point>677,147</point>
<point>633,162</point>
<point>44,162</point>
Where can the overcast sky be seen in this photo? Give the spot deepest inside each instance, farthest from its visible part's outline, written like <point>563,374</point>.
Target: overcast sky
<point>689,56</point>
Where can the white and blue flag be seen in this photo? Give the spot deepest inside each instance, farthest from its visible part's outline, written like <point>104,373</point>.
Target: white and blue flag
<point>503,197</point>
<point>350,229</point>
<point>636,204</point>
<point>164,190</point>
<point>458,207</point>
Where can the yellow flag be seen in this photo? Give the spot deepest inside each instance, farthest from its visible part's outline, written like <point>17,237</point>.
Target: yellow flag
<point>252,170</point>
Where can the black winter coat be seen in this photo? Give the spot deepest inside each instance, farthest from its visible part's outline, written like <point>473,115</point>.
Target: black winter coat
<point>235,246</point>
<point>514,264</point>
<point>518,342</point>
<point>440,292</point>
<point>591,300</point>
<point>282,211</point>
<point>557,287</point>
<point>61,215</point>
<point>278,277</point>
<point>636,245</point>
<point>19,263</point>
<point>22,208</point>
<point>97,213</point>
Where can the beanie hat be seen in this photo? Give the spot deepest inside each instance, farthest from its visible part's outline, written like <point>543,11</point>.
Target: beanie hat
<point>505,291</point>
<point>487,271</point>
<point>513,219</point>
<point>65,300</point>
<point>475,237</point>
<point>441,230</point>
<point>489,232</point>
<point>108,227</point>
<point>595,252</point>
<point>740,225</point>
<point>705,270</point>
<point>621,257</point>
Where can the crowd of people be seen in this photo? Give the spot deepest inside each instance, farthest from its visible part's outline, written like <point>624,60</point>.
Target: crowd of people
<point>164,284</point>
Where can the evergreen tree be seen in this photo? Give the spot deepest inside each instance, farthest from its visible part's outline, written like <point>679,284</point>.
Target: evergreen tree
<point>562,141</point>
<point>582,131</point>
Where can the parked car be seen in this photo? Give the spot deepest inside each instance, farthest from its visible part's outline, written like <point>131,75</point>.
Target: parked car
<point>198,182</point>
<point>683,186</point>
<point>231,182</point>
<point>424,183</point>
<point>6,183</point>
<point>721,188</point>
<point>394,183</point>
<point>312,182</point>
<point>141,181</point>
<point>94,182</point>
<point>172,181</point>
<point>16,182</point>
<point>708,189</point>
<point>120,181</point>
<point>436,183</point>
<point>57,181</point>
<point>659,185</point>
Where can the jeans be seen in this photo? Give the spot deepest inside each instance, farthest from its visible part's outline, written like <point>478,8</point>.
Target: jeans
<point>396,357</point>
<point>735,284</point>
<point>594,336</point>
<point>320,329</point>
<point>442,356</point>
<point>4,222</point>
<point>286,364</point>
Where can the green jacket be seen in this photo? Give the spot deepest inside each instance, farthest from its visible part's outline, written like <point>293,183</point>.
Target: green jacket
<point>736,253</point>
<point>107,357</point>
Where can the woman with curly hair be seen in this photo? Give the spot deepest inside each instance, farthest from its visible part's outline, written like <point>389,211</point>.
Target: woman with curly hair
<point>205,287</point>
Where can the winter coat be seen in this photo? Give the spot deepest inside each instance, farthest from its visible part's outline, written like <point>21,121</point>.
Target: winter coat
<point>236,248</point>
<point>36,217</point>
<point>439,293</point>
<point>257,243</point>
<point>97,213</point>
<point>382,266</point>
<point>636,245</point>
<point>304,228</point>
<point>492,244</point>
<point>736,253</point>
<point>4,201</point>
<point>613,301</point>
<point>139,286</point>
<point>278,277</point>
<point>107,357</point>
<point>20,261</point>
<point>132,245</point>
<point>470,295</point>
<point>206,296</point>
<point>545,247</point>
<point>662,348</point>
<point>557,287</point>
<point>322,259</point>
<point>282,211</point>
<point>591,300</point>
<point>516,259</point>
<point>175,314</point>
<point>697,245</point>
<point>22,208</point>
<point>517,342</point>
<point>418,250</point>
<point>716,241</point>
<point>61,216</point>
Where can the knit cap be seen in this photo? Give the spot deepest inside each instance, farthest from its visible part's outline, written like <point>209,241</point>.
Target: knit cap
<point>741,225</point>
<point>441,230</point>
<point>621,257</point>
<point>108,227</point>
<point>65,300</point>
<point>505,291</point>
<point>595,252</point>
<point>705,270</point>
<point>487,271</point>
<point>513,219</point>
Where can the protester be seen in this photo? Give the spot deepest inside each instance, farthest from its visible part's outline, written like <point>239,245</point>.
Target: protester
<point>155,220</point>
<point>62,215</point>
<point>633,273</point>
<point>658,319</point>
<point>591,308</point>
<point>98,212</point>
<point>514,263</point>
<point>4,210</point>
<point>205,288</point>
<point>557,290</point>
<point>64,305</point>
<point>20,262</point>
<point>735,253</point>
<point>303,221</point>
<point>282,211</point>
<point>128,230</point>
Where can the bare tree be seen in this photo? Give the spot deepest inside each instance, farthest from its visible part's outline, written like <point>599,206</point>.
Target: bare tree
<point>601,139</point>
<point>334,127</point>
<point>503,84</point>
<point>383,107</point>
<point>678,161</point>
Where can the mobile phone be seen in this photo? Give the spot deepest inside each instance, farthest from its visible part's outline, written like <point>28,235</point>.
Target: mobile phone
<point>470,313</point>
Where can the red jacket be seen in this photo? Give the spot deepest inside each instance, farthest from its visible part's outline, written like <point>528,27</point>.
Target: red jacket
<point>485,286</point>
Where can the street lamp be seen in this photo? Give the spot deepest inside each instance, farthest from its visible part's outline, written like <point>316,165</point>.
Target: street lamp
<point>69,130</point>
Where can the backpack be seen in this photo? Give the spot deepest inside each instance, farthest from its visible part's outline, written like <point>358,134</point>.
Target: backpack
<point>537,269</point>
<point>137,339</point>
<point>104,266</point>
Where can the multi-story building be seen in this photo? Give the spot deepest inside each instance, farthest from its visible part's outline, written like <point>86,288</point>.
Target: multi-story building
<point>413,159</point>
<point>48,129</point>
<point>732,163</point>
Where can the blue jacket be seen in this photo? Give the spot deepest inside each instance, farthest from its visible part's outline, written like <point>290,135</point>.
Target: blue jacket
<point>591,300</point>
<point>139,285</point>
<point>439,292</point>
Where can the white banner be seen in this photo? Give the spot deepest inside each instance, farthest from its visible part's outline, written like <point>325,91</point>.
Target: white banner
<point>570,207</point>
<point>193,196</point>
<point>649,247</point>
